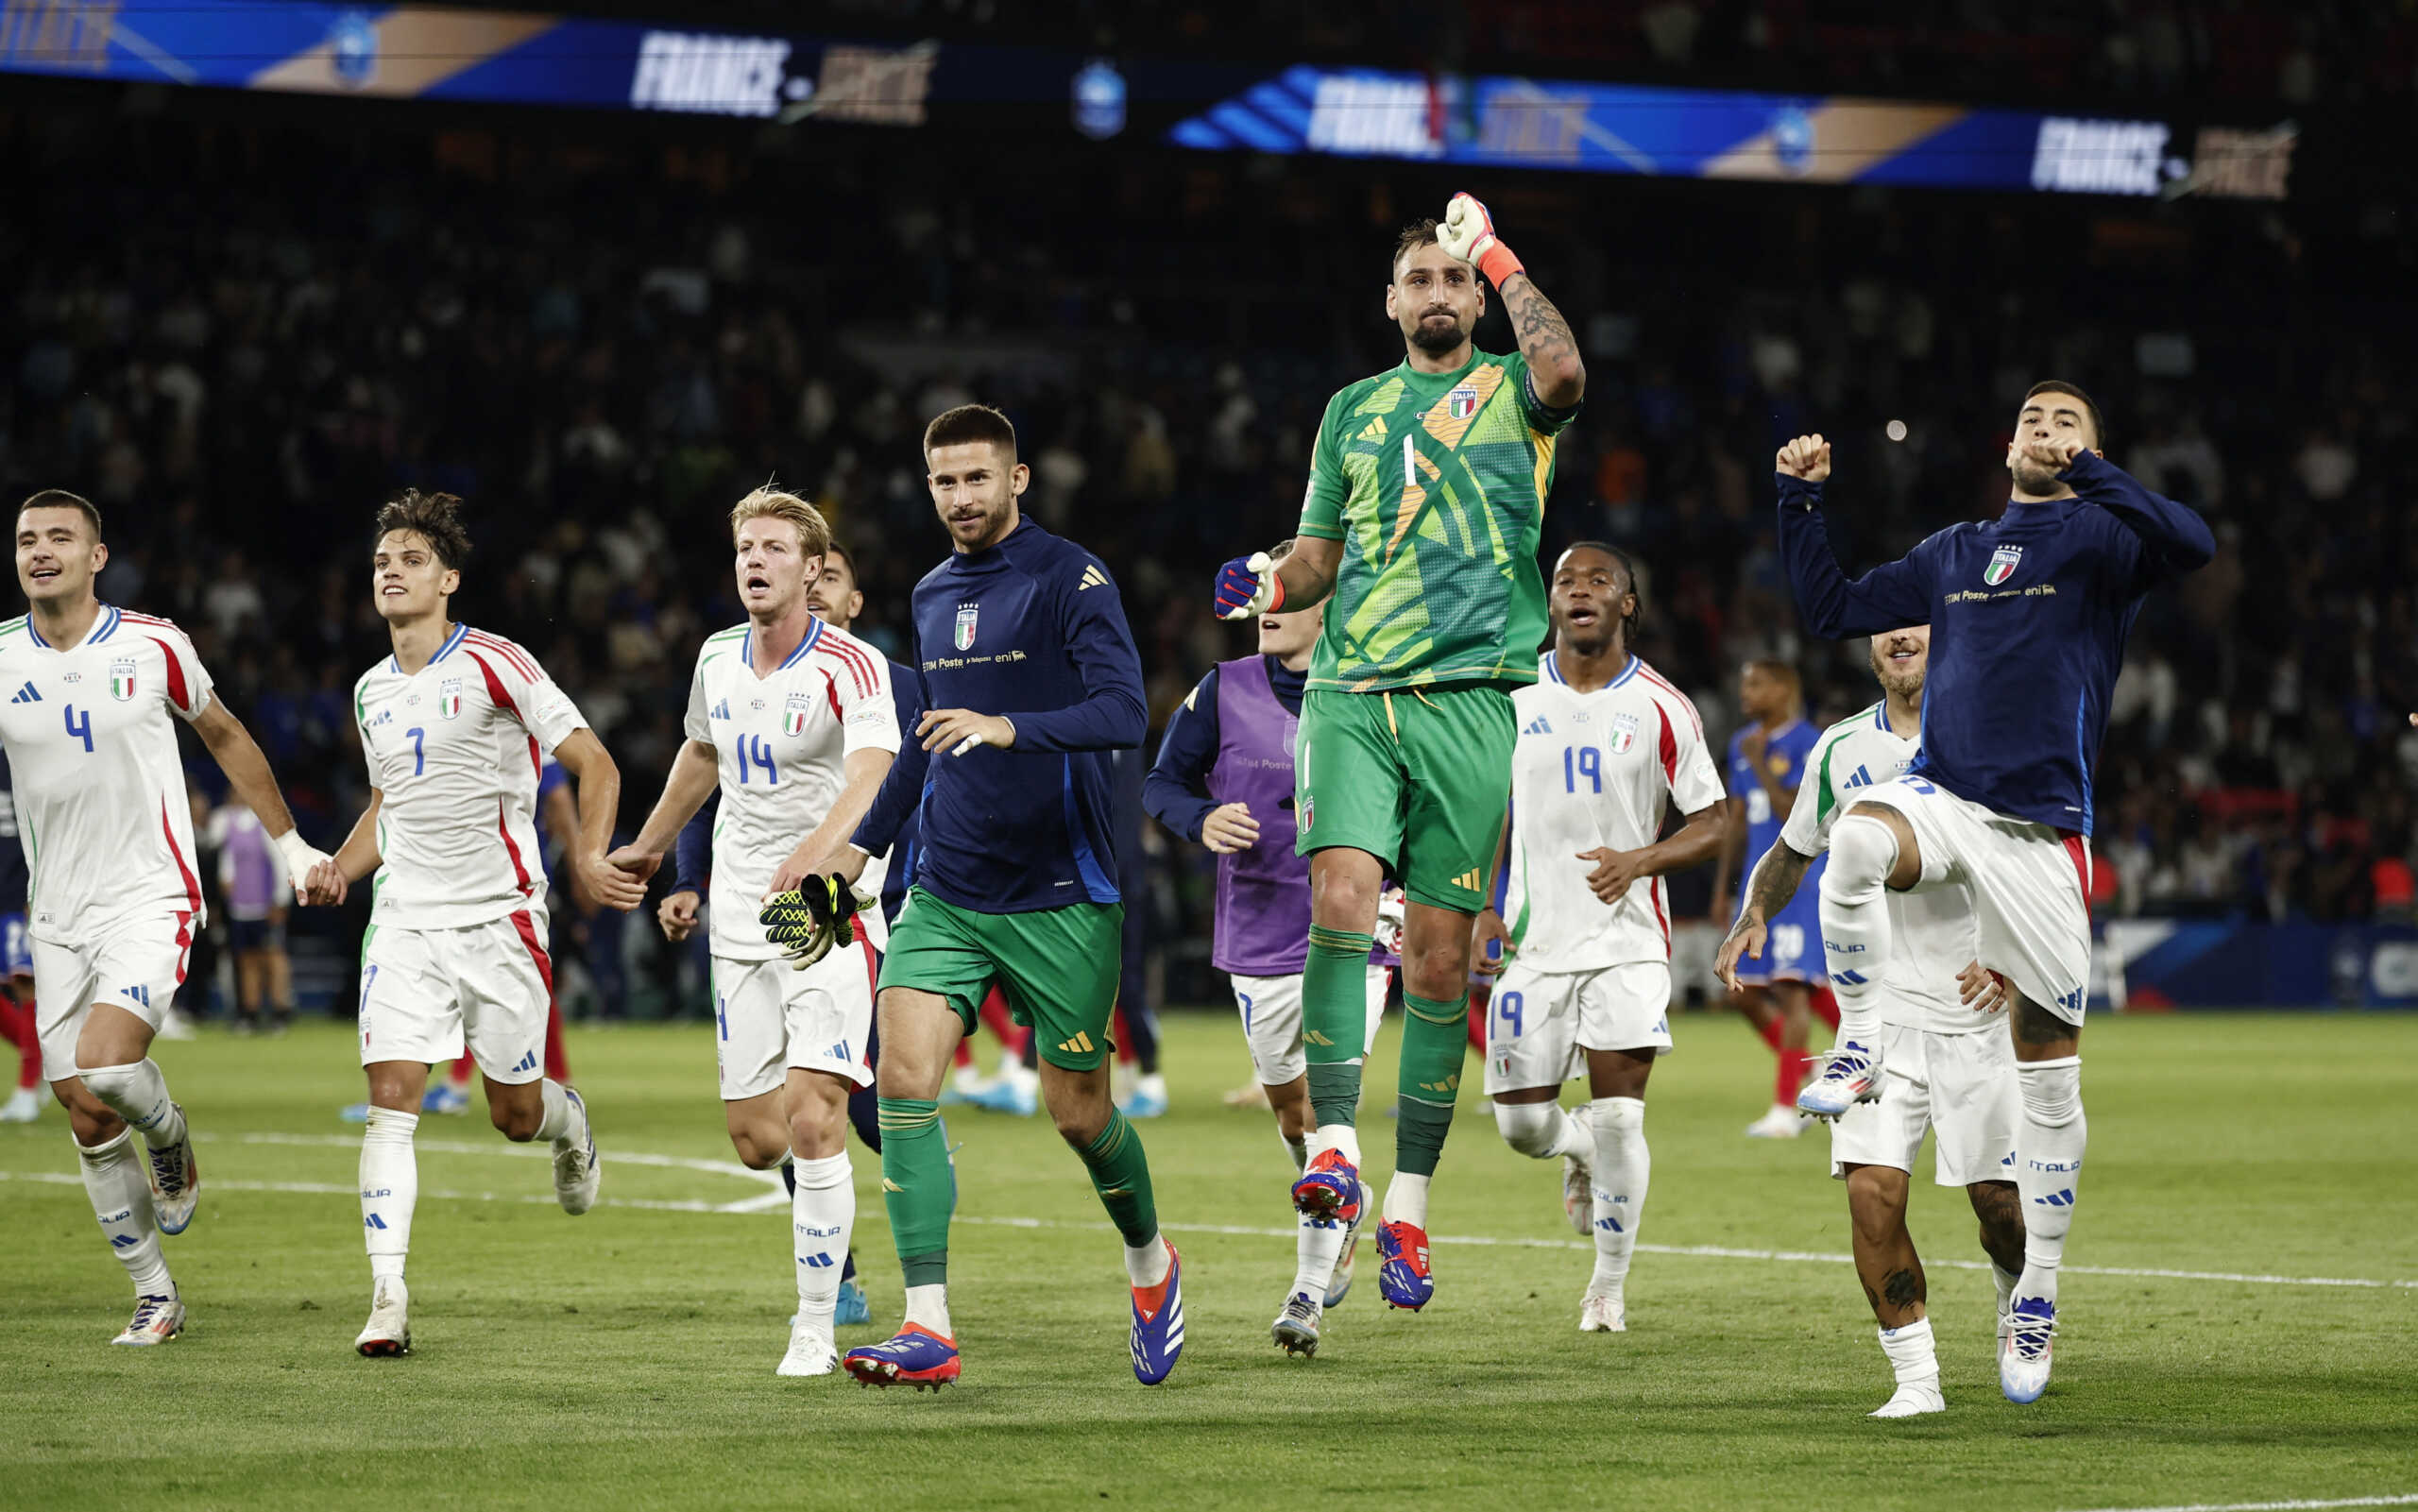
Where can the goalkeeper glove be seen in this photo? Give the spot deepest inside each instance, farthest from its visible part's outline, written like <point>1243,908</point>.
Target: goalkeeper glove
<point>1468,233</point>
<point>811,920</point>
<point>1248,587</point>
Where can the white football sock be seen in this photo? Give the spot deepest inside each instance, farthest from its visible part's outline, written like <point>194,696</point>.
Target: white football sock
<point>1317,1244</point>
<point>562,1123</point>
<point>389,1188</point>
<point>1911,1354</point>
<point>1541,1131</point>
<point>822,1211</point>
<point>138,1094</point>
<point>928,1308</point>
<point>2048,1166</point>
<point>2004,1282</point>
<point>1298,1148</point>
<point>1336,1136</point>
<point>1621,1167</point>
<point>121,1192</point>
<point>1149,1264</point>
<point>1855,922</point>
<point>1407,1199</point>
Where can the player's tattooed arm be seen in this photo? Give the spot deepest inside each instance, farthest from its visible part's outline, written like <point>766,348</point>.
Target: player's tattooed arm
<point>1775,881</point>
<point>1555,369</point>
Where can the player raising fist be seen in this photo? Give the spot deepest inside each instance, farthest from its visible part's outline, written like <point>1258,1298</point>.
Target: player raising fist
<point>1426,485</point>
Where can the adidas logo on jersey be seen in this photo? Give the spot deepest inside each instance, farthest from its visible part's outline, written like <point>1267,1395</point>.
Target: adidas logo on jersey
<point>1470,880</point>
<point>721,710</point>
<point>28,694</point>
<point>1858,778</point>
<point>1539,725</point>
<point>1080,1045</point>
<point>1093,578</point>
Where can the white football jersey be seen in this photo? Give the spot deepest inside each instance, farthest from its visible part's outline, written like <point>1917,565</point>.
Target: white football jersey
<point>781,741</point>
<point>455,749</point>
<point>1932,933</point>
<point>1590,769</point>
<point>100,788</point>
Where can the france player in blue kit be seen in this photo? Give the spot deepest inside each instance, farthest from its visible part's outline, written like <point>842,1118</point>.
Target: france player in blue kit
<point>2028,615</point>
<point>1766,767</point>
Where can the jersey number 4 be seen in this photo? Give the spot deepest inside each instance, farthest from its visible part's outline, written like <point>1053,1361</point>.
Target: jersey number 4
<point>79,731</point>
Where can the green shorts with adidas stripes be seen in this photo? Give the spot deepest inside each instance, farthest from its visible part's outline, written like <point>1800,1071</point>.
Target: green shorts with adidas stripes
<point>1058,968</point>
<point>1418,777</point>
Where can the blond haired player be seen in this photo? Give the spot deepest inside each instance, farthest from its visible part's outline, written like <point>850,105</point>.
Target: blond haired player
<point>115,900</point>
<point>1607,748</point>
<point>455,726</point>
<point>792,718</point>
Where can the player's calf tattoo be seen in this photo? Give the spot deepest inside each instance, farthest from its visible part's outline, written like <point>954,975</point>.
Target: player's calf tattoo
<point>1904,1287</point>
<point>2035,1026</point>
<point>2000,1209</point>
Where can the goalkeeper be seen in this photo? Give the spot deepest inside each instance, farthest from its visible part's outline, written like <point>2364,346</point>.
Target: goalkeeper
<point>794,719</point>
<point>1427,485</point>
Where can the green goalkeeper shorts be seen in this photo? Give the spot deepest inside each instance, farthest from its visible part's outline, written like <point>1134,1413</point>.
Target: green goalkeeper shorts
<point>1420,778</point>
<point>1058,968</point>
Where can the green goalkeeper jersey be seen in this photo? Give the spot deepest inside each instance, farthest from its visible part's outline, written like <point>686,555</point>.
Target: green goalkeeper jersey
<point>1435,483</point>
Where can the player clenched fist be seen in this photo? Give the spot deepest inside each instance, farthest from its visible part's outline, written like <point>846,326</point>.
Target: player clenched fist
<point>1467,232</point>
<point>1807,457</point>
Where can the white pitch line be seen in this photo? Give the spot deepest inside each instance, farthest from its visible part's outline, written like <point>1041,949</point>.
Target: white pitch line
<point>2271,1507</point>
<point>774,1200</point>
<point>1720,1253</point>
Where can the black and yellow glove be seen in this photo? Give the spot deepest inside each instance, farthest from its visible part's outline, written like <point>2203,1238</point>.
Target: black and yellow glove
<point>811,920</point>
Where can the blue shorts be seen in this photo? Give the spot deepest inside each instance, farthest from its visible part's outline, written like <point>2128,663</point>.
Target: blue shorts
<point>16,951</point>
<point>256,934</point>
<point>1792,944</point>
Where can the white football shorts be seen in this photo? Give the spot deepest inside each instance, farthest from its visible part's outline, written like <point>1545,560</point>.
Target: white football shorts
<point>1540,1025</point>
<point>1271,1010</point>
<point>2031,888</point>
<point>770,1017</point>
<point>1961,1087</point>
<point>135,963</point>
<point>426,992</point>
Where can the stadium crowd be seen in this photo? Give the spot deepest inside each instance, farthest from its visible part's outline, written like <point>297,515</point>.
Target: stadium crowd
<point>601,345</point>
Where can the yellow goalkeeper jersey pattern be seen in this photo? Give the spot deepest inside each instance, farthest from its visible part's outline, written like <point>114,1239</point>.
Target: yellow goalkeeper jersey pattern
<point>1435,483</point>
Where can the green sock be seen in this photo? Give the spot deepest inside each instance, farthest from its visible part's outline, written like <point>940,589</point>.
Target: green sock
<point>1335,1021</point>
<point>1433,1038</point>
<point>1122,1176</point>
<point>917,1186</point>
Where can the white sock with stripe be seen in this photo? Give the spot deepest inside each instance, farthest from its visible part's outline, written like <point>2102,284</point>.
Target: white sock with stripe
<point>389,1188</point>
<point>823,1210</point>
<point>121,1192</point>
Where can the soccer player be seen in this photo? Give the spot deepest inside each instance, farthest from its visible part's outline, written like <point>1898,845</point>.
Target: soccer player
<point>1607,746</point>
<point>2028,615</point>
<point>1030,680</point>
<point>1950,1071</point>
<point>791,717</point>
<point>100,798</point>
<point>455,726</point>
<point>1224,778</point>
<point>1767,765</point>
<point>1427,483</point>
<point>17,963</point>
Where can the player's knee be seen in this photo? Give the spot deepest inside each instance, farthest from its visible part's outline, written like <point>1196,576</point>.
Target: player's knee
<point>1527,1127</point>
<point>819,1129</point>
<point>515,1122</point>
<point>758,1150</point>
<point>93,1126</point>
<point>1863,851</point>
<point>2052,1090</point>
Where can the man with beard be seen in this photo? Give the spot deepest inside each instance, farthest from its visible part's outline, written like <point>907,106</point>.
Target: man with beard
<point>1607,746</point>
<point>1944,1074</point>
<point>2029,614</point>
<point>1427,483</point>
<point>1031,680</point>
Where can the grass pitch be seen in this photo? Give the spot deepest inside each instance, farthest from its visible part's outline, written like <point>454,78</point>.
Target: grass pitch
<point>625,1358</point>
